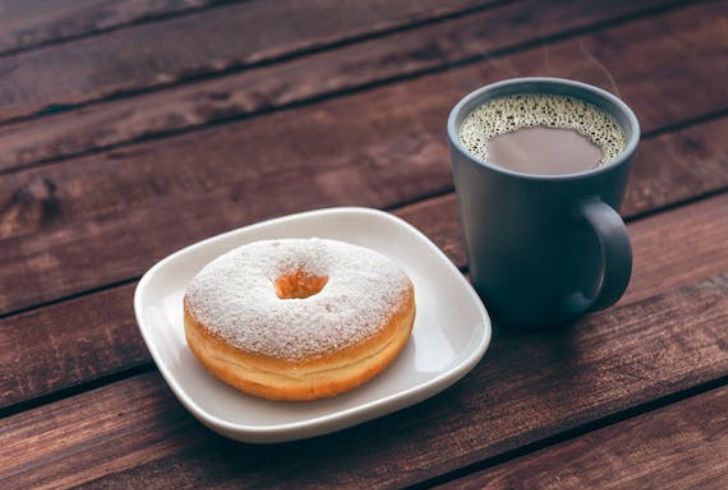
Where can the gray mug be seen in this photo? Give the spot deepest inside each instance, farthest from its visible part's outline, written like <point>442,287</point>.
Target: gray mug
<point>544,249</point>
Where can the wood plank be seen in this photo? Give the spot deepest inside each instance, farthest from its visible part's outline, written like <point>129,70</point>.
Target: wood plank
<point>55,347</point>
<point>527,388</point>
<point>147,401</point>
<point>108,217</point>
<point>683,446</point>
<point>24,25</point>
<point>93,336</point>
<point>162,53</point>
<point>670,168</point>
<point>194,105</point>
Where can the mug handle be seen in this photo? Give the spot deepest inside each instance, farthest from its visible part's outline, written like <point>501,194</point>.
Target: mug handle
<point>616,253</point>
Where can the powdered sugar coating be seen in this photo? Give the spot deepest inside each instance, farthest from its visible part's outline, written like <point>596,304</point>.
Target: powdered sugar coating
<point>235,297</point>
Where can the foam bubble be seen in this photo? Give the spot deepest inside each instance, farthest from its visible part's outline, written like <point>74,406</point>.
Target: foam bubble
<point>506,114</point>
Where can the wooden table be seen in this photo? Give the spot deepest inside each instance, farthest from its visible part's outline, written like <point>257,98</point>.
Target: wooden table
<point>131,129</point>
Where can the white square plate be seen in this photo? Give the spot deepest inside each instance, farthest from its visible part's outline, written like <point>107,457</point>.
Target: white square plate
<point>451,331</point>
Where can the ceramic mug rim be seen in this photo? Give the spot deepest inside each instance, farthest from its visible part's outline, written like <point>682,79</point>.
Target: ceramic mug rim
<point>527,85</point>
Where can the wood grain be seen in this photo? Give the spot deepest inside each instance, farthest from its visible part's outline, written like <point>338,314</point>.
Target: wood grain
<point>182,108</point>
<point>527,388</point>
<point>83,223</point>
<point>682,446</point>
<point>108,217</point>
<point>86,338</point>
<point>96,335</point>
<point>24,25</point>
<point>162,53</point>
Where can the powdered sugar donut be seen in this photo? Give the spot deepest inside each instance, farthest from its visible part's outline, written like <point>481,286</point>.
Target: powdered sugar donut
<point>298,319</point>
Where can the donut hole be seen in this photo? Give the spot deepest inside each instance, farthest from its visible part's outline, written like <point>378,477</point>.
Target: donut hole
<point>299,285</point>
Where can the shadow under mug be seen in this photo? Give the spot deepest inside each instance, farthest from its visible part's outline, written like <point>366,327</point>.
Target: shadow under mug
<point>544,249</point>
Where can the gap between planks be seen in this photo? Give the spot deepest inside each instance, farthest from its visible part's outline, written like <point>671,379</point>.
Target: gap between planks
<point>708,388</point>
<point>351,90</point>
<point>654,232</point>
<point>40,200</point>
<point>148,18</point>
<point>704,292</point>
<point>633,417</point>
<point>444,191</point>
<point>53,108</point>
<point>149,365</point>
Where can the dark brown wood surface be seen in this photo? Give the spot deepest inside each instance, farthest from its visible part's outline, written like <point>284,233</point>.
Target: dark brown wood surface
<point>690,438</point>
<point>99,334</point>
<point>149,55</point>
<point>25,25</point>
<point>330,158</point>
<point>237,94</point>
<point>130,129</point>
<point>528,388</point>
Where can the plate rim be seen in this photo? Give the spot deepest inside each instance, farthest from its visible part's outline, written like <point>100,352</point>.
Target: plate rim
<point>430,387</point>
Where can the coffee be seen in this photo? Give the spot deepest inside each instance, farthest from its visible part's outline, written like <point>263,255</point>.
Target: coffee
<point>542,134</point>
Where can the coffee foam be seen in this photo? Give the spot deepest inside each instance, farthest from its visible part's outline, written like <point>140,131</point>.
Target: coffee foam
<point>506,114</point>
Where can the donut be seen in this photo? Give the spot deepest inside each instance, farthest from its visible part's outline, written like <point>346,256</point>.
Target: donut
<point>298,319</point>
